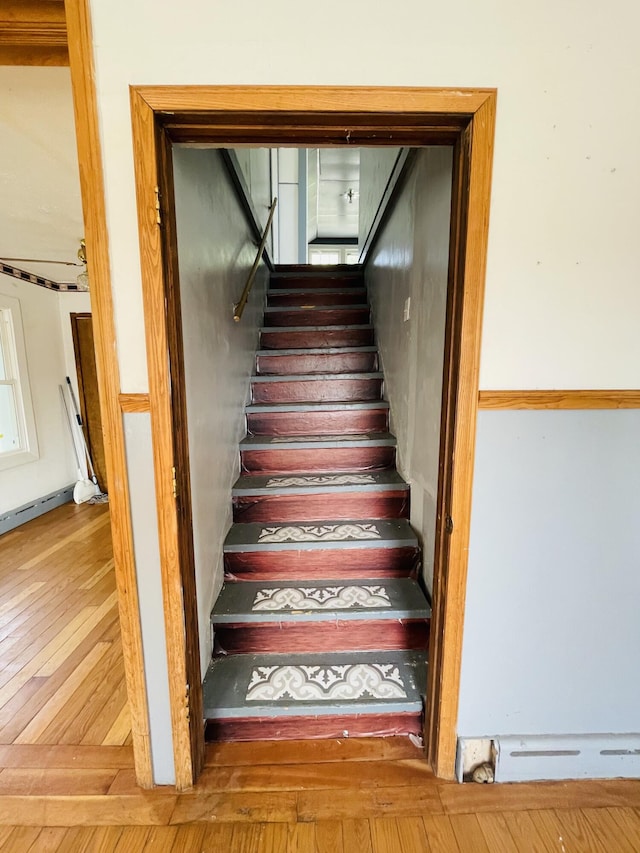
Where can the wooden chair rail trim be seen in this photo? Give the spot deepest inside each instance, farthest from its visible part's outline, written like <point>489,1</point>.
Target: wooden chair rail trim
<point>540,399</point>
<point>93,202</point>
<point>134,403</point>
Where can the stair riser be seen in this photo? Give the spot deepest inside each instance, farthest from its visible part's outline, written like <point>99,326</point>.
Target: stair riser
<point>318,423</point>
<point>322,460</point>
<point>318,390</point>
<point>323,338</point>
<point>338,636</point>
<point>315,282</point>
<point>301,728</point>
<point>345,506</point>
<point>316,297</point>
<point>352,362</point>
<point>322,564</point>
<point>318,317</point>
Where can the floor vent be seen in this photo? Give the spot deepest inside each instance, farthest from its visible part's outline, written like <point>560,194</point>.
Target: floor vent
<point>530,758</point>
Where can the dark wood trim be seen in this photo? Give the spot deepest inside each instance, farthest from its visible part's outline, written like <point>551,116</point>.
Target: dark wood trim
<point>588,399</point>
<point>334,241</point>
<point>169,242</point>
<point>453,328</point>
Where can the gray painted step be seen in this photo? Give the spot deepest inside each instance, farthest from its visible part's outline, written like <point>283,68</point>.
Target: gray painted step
<point>315,484</point>
<point>322,601</point>
<point>345,406</point>
<point>308,442</point>
<point>320,535</point>
<point>288,685</point>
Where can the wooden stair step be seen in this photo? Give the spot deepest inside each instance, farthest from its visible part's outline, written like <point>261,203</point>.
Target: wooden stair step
<point>295,336</point>
<point>318,418</point>
<point>334,548</point>
<point>270,454</point>
<point>321,617</point>
<point>311,497</point>
<point>313,277</point>
<point>328,315</point>
<point>317,360</point>
<point>301,387</point>
<point>313,297</point>
<point>279,696</point>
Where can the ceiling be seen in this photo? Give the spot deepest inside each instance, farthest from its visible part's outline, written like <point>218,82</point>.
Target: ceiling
<point>40,206</point>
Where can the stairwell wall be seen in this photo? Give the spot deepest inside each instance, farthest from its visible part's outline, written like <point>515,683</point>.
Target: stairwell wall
<point>216,250</point>
<point>407,274</point>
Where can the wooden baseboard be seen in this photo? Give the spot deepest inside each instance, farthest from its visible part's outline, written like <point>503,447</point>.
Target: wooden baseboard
<point>588,399</point>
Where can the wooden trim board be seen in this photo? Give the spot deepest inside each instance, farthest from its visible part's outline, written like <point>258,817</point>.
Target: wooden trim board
<point>159,113</point>
<point>187,726</point>
<point>33,32</point>
<point>559,399</point>
<point>134,403</point>
<point>93,203</point>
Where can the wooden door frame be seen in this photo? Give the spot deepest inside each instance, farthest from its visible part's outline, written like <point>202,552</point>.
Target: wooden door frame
<point>277,115</point>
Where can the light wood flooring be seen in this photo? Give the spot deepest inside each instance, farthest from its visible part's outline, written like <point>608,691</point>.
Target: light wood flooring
<point>61,667</point>
<point>77,792</point>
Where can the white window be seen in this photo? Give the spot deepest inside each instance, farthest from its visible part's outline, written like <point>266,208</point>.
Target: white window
<point>333,255</point>
<point>18,443</point>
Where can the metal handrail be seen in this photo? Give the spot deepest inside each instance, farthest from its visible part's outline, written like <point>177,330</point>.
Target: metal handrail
<point>239,307</point>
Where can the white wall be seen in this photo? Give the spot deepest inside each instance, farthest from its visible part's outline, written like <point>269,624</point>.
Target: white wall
<point>45,336</point>
<point>410,262</point>
<point>376,165</point>
<point>562,299</point>
<point>216,250</point>
<point>561,283</point>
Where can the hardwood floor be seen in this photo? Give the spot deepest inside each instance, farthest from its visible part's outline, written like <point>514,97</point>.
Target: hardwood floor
<point>61,669</point>
<point>67,781</point>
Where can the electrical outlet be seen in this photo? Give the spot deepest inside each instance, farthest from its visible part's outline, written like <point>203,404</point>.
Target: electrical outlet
<point>407,309</point>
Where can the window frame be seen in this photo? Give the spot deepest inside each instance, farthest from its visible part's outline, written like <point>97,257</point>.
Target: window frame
<point>12,342</point>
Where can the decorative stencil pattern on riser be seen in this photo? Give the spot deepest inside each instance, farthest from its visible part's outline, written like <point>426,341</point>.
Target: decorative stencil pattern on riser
<point>321,598</point>
<point>319,533</point>
<point>325,683</point>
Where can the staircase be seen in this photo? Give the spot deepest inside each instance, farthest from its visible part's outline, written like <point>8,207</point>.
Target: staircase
<point>321,628</point>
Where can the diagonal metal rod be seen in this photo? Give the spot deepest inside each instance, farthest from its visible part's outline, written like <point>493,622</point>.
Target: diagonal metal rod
<point>239,308</point>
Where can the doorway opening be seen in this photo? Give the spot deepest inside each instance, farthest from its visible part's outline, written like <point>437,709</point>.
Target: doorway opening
<point>62,681</point>
<point>291,117</point>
